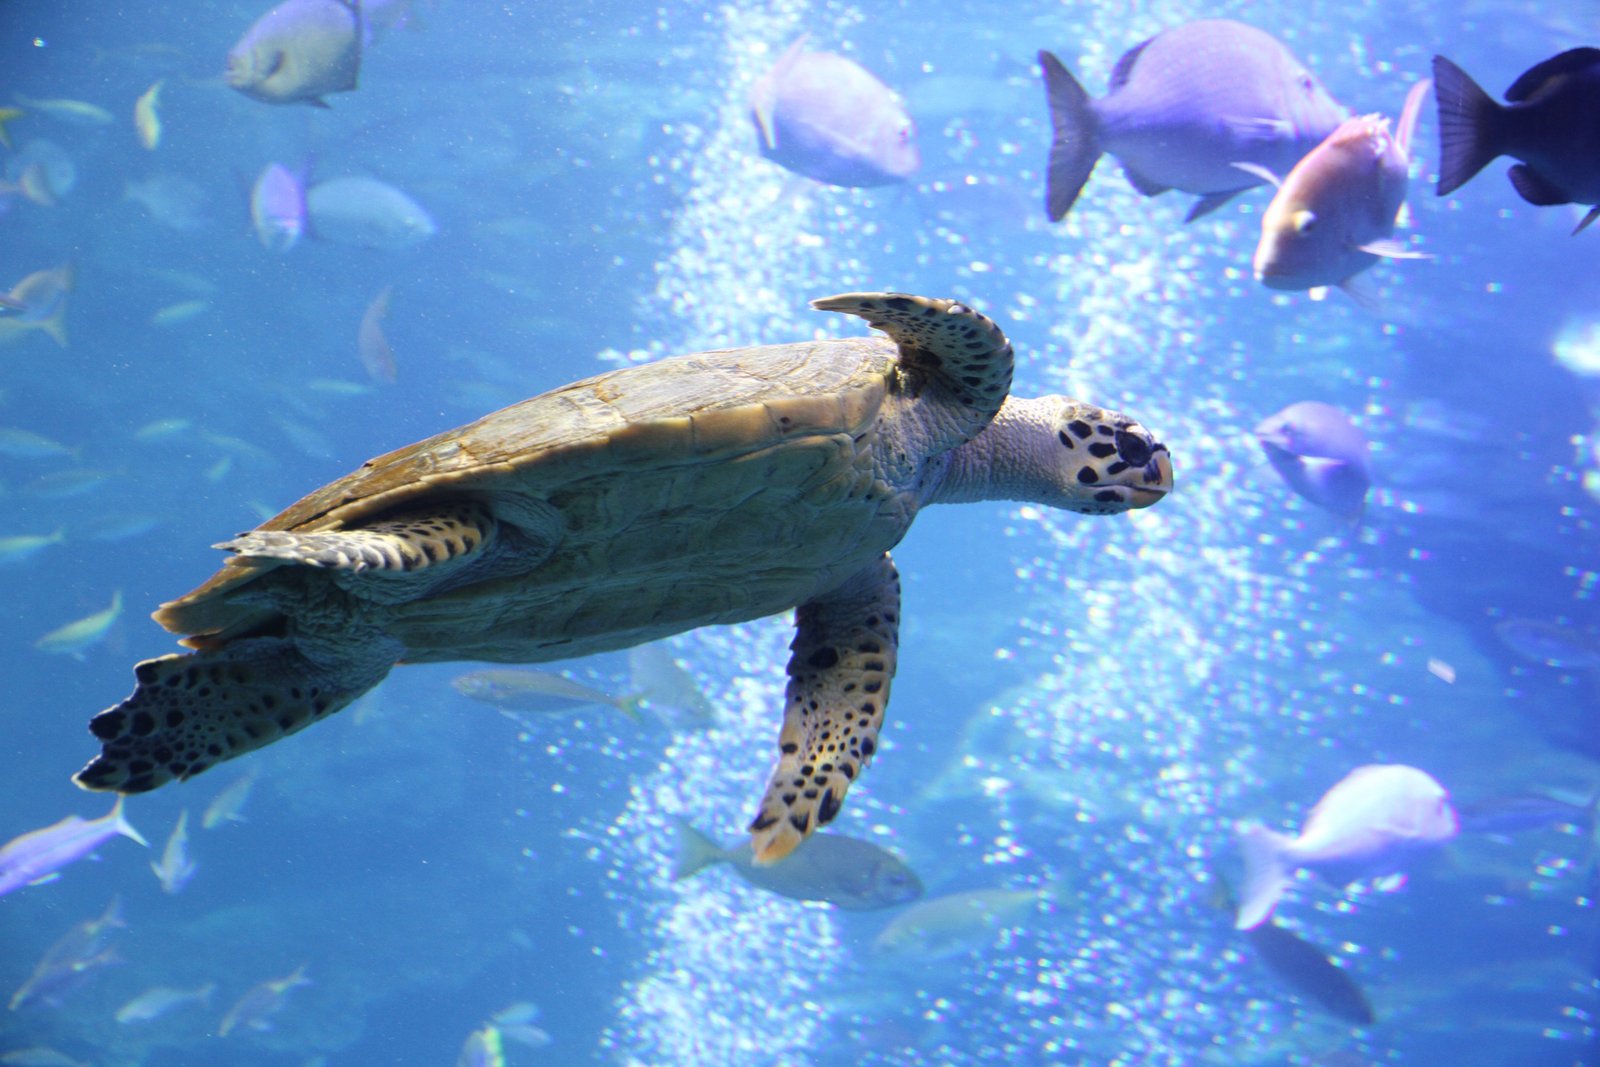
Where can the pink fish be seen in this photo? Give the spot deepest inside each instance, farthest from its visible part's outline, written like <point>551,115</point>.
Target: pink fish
<point>373,348</point>
<point>37,856</point>
<point>1367,825</point>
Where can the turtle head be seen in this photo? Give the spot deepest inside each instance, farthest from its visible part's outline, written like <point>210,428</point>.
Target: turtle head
<point>1105,461</point>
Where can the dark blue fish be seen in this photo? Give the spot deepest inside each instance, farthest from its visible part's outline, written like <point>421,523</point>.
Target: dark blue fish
<point>1551,124</point>
<point>825,117</point>
<point>1320,453</point>
<point>1184,110</point>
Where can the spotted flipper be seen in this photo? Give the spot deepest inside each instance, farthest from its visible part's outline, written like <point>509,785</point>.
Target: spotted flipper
<point>942,341</point>
<point>401,543</point>
<point>190,712</point>
<point>841,663</point>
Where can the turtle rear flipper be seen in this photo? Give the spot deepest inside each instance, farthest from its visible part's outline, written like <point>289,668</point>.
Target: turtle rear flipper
<point>444,533</point>
<point>841,664</point>
<point>191,712</point>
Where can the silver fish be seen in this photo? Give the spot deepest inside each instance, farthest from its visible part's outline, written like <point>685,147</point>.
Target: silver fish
<point>157,1001</point>
<point>1320,454</point>
<point>368,213</point>
<point>1184,108</point>
<point>826,117</point>
<point>524,689</point>
<point>227,805</point>
<point>299,52</point>
<point>952,925</point>
<point>78,636</point>
<point>41,854</point>
<point>175,868</point>
<point>844,871</point>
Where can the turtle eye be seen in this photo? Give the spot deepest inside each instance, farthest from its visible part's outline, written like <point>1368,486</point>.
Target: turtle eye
<point>1303,221</point>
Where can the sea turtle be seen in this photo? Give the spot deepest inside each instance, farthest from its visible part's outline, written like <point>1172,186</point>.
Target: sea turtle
<point>708,488</point>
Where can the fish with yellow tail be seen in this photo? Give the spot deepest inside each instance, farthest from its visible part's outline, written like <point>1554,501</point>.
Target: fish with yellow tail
<point>1334,214</point>
<point>146,122</point>
<point>76,637</point>
<point>39,302</point>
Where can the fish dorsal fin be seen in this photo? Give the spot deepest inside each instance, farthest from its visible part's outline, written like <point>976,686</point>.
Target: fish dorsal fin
<point>1124,68</point>
<point>1535,188</point>
<point>1146,186</point>
<point>1536,76</point>
<point>1408,116</point>
<point>764,94</point>
<point>1593,214</point>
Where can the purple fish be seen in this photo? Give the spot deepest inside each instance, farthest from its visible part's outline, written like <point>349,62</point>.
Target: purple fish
<point>1549,124</point>
<point>278,207</point>
<point>823,116</point>
<point>1184,109</point>
<point>37,856</point>
<point>1321,454</point>
<point>1365,826</point>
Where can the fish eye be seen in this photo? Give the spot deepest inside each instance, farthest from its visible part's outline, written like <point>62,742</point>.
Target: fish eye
<point>905,133</point>
<point>1307,82</point>
<point>1304,220</point>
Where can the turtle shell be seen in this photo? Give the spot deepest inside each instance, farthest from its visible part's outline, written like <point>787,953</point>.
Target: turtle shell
<point>714,487</point>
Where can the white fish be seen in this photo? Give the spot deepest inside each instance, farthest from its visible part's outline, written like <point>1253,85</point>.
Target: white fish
<point>175,868</point>
<point>1365,826</point>
<point>25,444</point>
<point>146,119</point>
<point>228,804</point>
<point>76,637</point>
<point>157,1001</point>
<point>367,212</point>
<point>38,856</point>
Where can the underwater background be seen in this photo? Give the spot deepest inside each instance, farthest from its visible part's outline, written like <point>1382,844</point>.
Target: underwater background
<point>1084,707</point>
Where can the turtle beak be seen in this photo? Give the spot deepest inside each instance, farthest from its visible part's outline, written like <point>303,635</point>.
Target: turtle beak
<point>1157,480</point>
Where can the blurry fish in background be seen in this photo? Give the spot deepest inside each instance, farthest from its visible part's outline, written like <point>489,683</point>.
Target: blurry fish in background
<point>1334,214</point>
<point>278,207</point>
<point>527,690</point>
<point>1549,124</point>
<point>169,429</point>
<point>40,1056</point>
<point>181,312</point>
<point>1321,455</point>
<point>366,212</point>
<point>75,112</point>
<point>665,685</point>
<point>175,868</point>
<point>844,871</point>
<point>40,855</point>
<point>825,117</point>
<point>485,1046</point>
<point>228,805</point>
<point>1183,109</point>
<point>254,1010</point>
<point>954,924</point>
<point>25,444</point>
<point>1302,966</point>
<point>121,526</point>
<point>146,119</point>
<point>377,358</point>
<point>65,484</point>
<point>45,163</point>
<point>299,52</point>
<point>1552,644</point>
<point>1367,826</point>
<point>78,636</point>
<point>20,547</point>
<point>171,200</point>
<point>1502,815</point>
<point>160,1000</point>
<point>32,183</point>
<point>43,299</point>
<point>8,114</point>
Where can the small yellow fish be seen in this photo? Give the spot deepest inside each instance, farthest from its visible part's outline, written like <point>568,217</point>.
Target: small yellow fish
<point>75,637</point>
<point>6,115</point>
<point>173,314</point>
<point>80,112</point>
<point>145,119</point>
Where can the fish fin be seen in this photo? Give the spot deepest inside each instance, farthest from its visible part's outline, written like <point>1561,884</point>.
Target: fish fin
<point>1535,188</point>
<point>317,101</point>
<point>1075,137</point>
<point>1266,875</point>
<point>629,706</point>
<point>45,880</point>
<point>764,94</point>
<point>56,327</point>
<point>1364,291</point>
<point>1260,129</point>
<point>695,852</point>
<point>120,824</point>
<point>1412,108</point>
<point>1593,214</point>
<point>1393,248</point>
<point>1209,203</point>
<point>1535,77</point>
<point>1256,170</point>
<point>1389,883</point>
<point>1469,125</point>
<point>1145,186</point>
<point>1124,68</point>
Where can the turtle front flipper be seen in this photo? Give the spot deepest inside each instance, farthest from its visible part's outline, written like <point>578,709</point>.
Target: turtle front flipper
<point>191,712</point>
<point>961,350</point>
<point>405,542</point>
<point>842,661</point>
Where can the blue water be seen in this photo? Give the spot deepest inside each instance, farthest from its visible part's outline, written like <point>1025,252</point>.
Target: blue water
<point>1083,705</point>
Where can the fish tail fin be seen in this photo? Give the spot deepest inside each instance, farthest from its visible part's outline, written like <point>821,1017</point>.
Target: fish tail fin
<point>1075,139</point>
<point>695,852</point>
<point>203,994</point>
<point>120,823</point>
<point>56,326</point>
<point>629,704</point>
<point>1265,875</point>
<point>1469,125</point>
